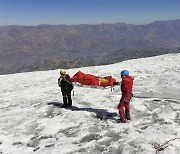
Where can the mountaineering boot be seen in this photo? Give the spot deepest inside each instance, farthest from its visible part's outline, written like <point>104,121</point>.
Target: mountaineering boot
<point>121,121</point>
<point>69,105</point>
<point>64,106</point>
<point>127,115</point>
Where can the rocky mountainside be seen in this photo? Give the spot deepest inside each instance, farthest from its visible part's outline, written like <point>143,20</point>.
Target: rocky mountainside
<point>126,54</point>
<point>28,48</point>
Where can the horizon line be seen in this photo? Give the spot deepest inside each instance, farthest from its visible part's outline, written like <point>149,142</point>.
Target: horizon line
<point>46,24</point>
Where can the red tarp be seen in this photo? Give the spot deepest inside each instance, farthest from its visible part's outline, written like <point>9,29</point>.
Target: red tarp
<point>88,79</point>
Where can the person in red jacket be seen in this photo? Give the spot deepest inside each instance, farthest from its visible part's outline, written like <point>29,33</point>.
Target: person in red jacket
<point>126,89</point>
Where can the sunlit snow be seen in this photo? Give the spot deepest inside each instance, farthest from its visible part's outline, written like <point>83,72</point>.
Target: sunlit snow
<point>32,121</point>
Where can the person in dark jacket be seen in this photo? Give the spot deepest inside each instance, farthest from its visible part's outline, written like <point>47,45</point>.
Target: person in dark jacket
<point>66,88</point>
<point>126,89</point>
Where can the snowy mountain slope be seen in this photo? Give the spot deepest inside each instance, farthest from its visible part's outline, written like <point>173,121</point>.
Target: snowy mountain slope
<point>31,120</point>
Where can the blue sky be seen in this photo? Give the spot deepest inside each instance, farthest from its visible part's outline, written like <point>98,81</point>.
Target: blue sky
<point>54,12</point>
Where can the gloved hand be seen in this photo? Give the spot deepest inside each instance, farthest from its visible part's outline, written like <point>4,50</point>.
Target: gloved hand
<point>62,76</point>
<point>60,79</point>
<point>117,83</point>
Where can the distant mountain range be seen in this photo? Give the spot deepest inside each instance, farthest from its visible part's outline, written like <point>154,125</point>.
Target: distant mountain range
<point>30,48</point>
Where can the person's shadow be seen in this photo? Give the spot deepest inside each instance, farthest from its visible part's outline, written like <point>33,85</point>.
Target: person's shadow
<point>57,104</point>
<point>101,114</point>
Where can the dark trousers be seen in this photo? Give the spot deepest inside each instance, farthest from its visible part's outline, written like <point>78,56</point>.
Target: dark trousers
<point>67,99</point>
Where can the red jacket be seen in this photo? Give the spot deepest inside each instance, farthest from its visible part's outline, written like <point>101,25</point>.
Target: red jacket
<point>126,87</point>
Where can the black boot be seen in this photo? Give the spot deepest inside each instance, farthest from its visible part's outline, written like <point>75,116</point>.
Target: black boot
<point>121,120</point>
<point>127,115</point>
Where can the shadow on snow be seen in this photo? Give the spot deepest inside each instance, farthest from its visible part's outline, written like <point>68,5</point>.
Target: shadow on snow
<point>101,114</point>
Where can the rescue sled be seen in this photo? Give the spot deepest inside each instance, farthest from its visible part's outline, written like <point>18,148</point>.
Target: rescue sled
<point>88,80</point>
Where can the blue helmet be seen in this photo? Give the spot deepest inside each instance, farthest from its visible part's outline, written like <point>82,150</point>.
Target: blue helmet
<point>124,73</point>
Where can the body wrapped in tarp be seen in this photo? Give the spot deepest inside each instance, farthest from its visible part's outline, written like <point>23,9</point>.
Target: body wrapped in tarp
<point>88,79</point>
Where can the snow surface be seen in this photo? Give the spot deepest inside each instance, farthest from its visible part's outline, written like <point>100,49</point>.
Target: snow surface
<point>31,120</point>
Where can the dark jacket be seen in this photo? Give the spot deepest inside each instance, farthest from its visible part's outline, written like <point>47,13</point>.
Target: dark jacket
<point>65,84</point>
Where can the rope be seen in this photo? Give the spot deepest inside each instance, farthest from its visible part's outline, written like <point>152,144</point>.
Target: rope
<point>164,146</point>
<point>73,91</point>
